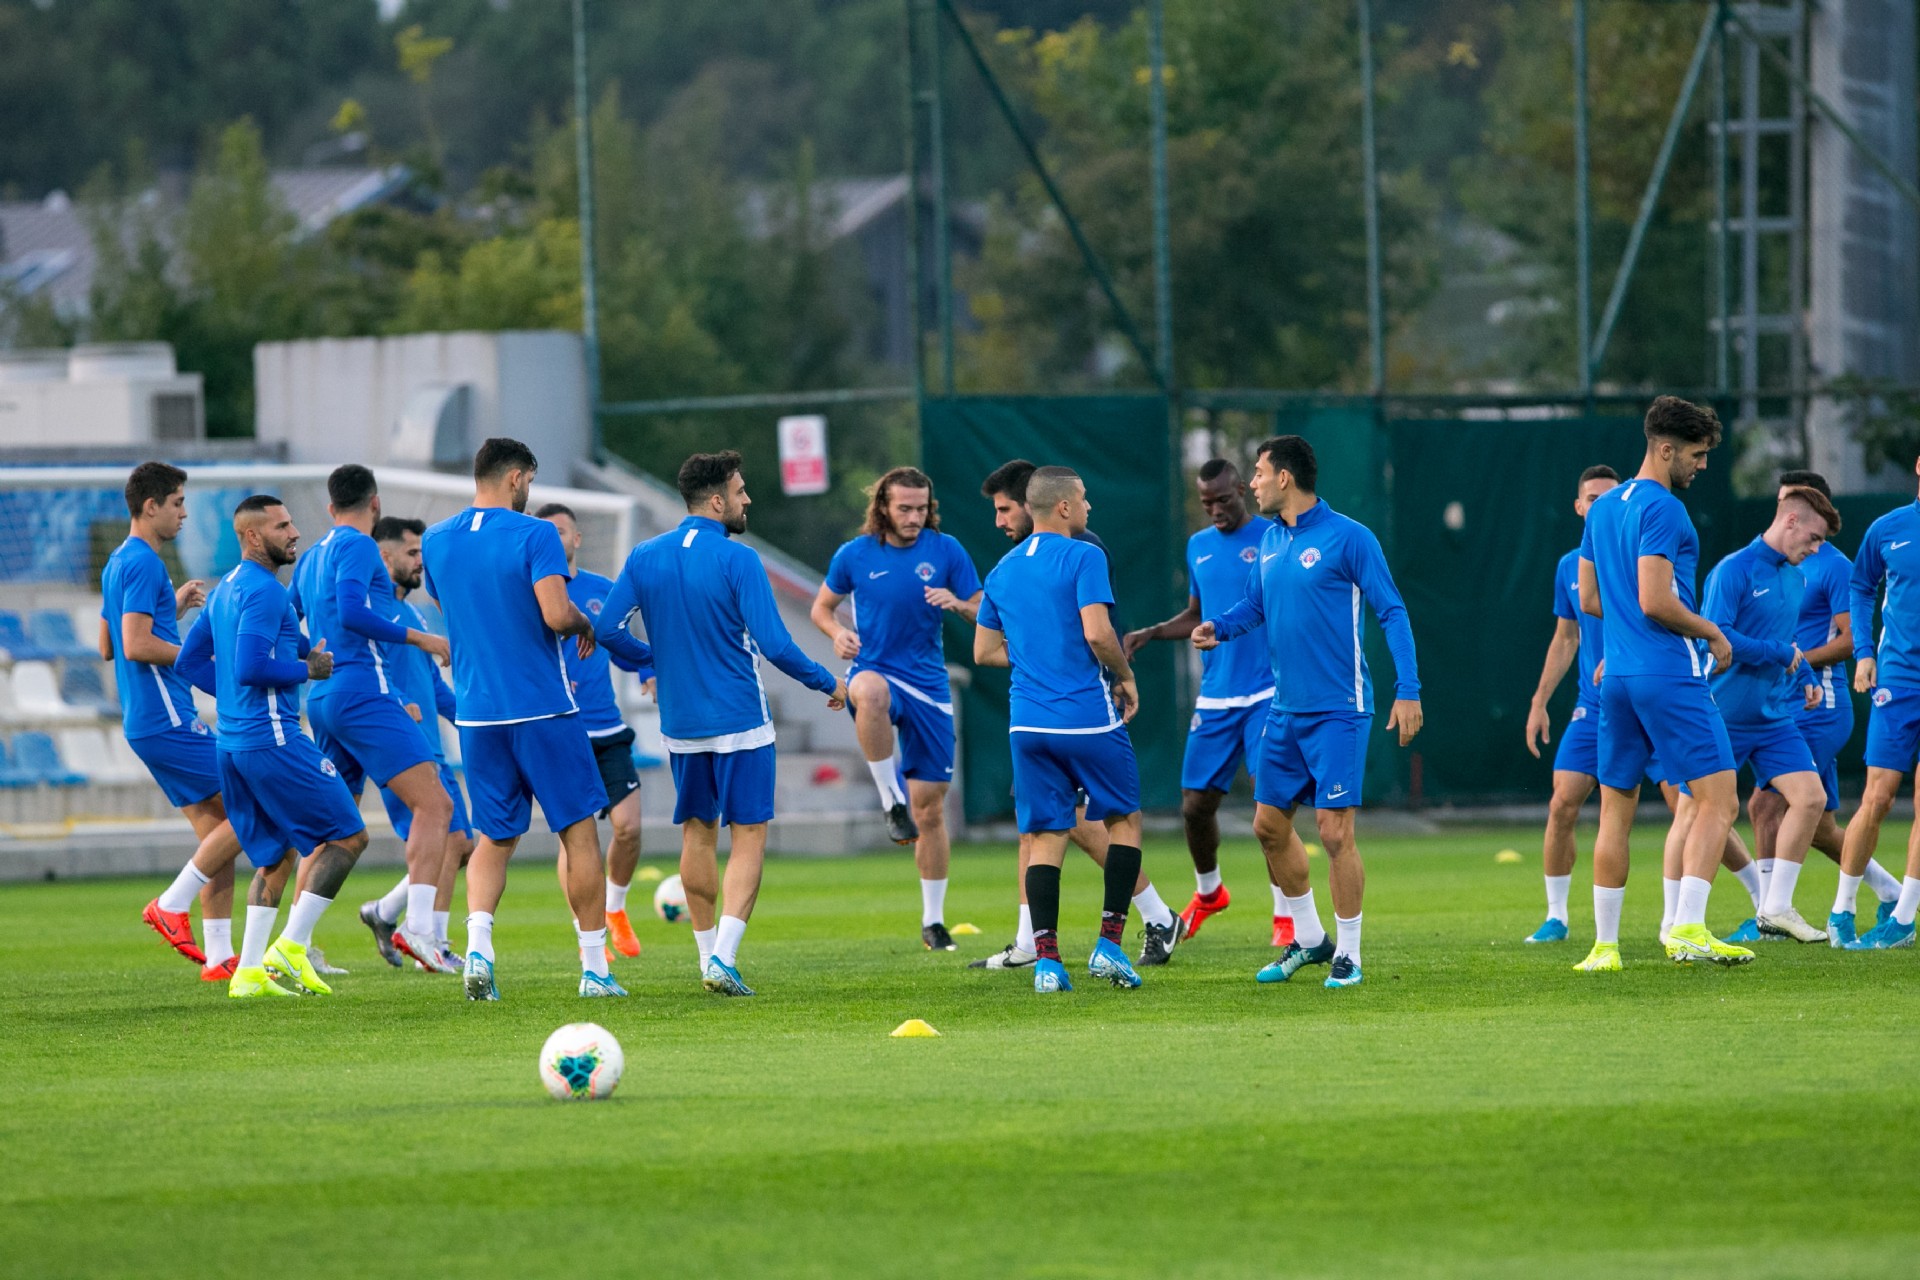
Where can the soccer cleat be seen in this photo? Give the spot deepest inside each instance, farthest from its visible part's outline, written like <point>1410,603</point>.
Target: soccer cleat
<point>723,979</point>
<point>246,984</point>
<point>320,963</point>
<point>1050,976</point>
<point>1110,962</point>
<point>382,933</point>
<point>900,827</point>
<point>1883,912</point>
<point>222,972</point>
<point>1204,905</point>
<point>1294,959</point>
<point>1551,931</point>
<point>1161,940</point>
<point>1346,973</point>
<point>176,927</point>
<point>600,984</point>
<point>620,934</point>
<point>1283,931</point>
<point>421,949</point>
<point>1747,930</point>
<point>934,937</point>
<point>451,959</point>
<point>1790,924</point>
<point>1689,942</point>
<point>1884,937</point>
<point>1009,957</point>
<point>1604,958</point>
<point>478,973</point>
<point>290,960</point>
<point>1840,929</point>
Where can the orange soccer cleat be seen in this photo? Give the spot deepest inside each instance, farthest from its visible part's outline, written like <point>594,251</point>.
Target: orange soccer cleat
<point>620,934</point>
<point>1204,905</point>
<point>1283,931</point>
<point>222,972</point>
<point>176,927</point>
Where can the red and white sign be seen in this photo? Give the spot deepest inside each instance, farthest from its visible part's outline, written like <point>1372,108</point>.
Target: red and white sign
<point>803,454</point>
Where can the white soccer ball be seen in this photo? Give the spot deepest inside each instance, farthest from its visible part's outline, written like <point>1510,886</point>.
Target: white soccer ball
<point>670,900</point>
<point>581,1060</point>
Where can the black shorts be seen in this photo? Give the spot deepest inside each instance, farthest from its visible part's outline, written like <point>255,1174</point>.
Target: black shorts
<point>614,755</point>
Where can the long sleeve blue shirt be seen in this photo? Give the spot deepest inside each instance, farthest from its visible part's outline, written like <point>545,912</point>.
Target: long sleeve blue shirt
<point>710,617</point>
<point>254,637</point>
<point>1890,555</point>
<point>1754,597</point>
<point>592,676</point>
<point>1306,592</point>
<point>342,591</point>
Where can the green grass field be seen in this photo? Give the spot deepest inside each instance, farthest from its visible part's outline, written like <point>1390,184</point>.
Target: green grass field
<point>1475,1109</point>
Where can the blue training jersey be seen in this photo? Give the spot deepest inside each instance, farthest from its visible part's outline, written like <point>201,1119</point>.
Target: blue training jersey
<point>1034,597</point>
<point>899,630</point>
<point>1566,604</point>
<point>417,680</point>
<point>1234,674</point>
<point>250,601</point>
<point>345,563</point>
<point>709,614</point>
<point>592,676</point>
<point>1754,597</point>
<point>153,699</point>
<point>481,566</point>
<point>1306,594</point>
<point>1829,577</point>
<point>1888,565</point>
<point>1632,520</point>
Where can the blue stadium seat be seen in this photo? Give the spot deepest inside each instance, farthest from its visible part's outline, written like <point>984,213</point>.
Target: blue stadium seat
<point>35,754</point>
<point>12,777</point>
<point>82,685</point>
<point>13,638</point>
<point>53,631</point>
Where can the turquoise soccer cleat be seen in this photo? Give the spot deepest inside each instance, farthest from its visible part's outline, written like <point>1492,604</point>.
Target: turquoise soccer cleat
<point>1050,976</point>
<point>1110,962</point>
<point>722,979</point>
<point>1552,931</point>
<point>478,976</point>
<point>600,984</point>
<point>1884,937</point>
<point>1883,913</point>
<point>1294,959</point>
<point>1346,973</point>
<point>1748,930</point>
<point>1840,932</point>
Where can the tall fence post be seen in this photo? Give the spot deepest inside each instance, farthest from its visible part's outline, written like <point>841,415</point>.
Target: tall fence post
<point>1162,237</point>
<point>1376,304</point>
<point>1582,210</point>
<point>589,261</point>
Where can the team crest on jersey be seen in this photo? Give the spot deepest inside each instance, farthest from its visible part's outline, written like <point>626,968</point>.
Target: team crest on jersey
<point>923,571</point>
<point>1193,726</point>
<point>200,727</point>
<point>1310,557</point>
<point>1881,697</point>
<point>327,767</point>
<point>595,605</point>
<point>1579,713</point>
<point>1249,554</point>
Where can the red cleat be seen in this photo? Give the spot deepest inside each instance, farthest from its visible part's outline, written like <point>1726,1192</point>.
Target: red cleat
<point>1204,905</point>
<point>221,972</point>
<point>176,927</point>
<point>1283,931</point>
<point>620,934</point>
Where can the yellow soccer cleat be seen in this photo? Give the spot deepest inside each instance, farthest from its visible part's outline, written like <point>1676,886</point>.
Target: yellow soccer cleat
<point>248,984</point>
<point>1604,958</point>
<point>289,960</point>
<point>1687,943</point>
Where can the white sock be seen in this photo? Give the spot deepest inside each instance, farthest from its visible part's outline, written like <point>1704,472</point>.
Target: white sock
<point>420,908</point>
<point>1558,887</point>
<point>1307,929</point>
<point>593,950</point>
<point>887,781</point>
<point>1780,885</point>
<point>1766,868</point>
<point>617,896</point>
<point>1903,910</point>
<point>1346,937</point>
<point>1749,877</point>
<point>1606,913</point>
<point>259,932</point>
<point>704,939</point>
<point>933,902</point>
<point>441,919</point>
<point>1847,897</point>
<point>219,940</point>
<point>393,902</point>
<point>1692,907</point>
<point>1207,881</point>
<point>304,914</point>
<point>185,888</point>
<point>1669,902</point>
<point>1280,903</point>
<point>1023,936</point>
<point>1881,881</point>
<point>1152,910</point>
<point>480,934</point>
<point>726,944</point>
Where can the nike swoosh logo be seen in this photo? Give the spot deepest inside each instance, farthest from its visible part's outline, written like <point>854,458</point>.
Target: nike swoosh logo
<point>1336,793</point>
<point>883,573</point>
<point>1204,559</point>
<point>1264,559</point>
<point>1895,546</point>
<point>1762,591</point>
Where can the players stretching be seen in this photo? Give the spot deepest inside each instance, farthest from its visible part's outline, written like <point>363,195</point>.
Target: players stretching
<point>140,635</point>
<point>1315,568</point>
<point>710,615</point>
<point>1046,614</point>
<point>281,793</point>
<point>500,577</point>
<point>1236,687</point>
<point>901,574</point>
<point>592,678</point>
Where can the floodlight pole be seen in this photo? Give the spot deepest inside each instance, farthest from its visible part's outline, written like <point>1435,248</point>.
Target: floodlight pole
<point>1162,242</point>
<point>942,216</point>
<point>1376,308</point>
<point>589,267</point>
<point>1582,205</point>
<point>911,10</point>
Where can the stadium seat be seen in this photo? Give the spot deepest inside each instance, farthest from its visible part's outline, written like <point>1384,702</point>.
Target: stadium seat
<point>83,684</point>
<point>53,631</point>
<point>35,754</point>
<point>86,751</point>
<point>12,777</point>
<point>13,638</point>
<point>36,695</point>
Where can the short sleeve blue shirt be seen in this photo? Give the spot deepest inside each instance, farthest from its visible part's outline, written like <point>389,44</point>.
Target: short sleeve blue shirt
<point>592,676</point>
<point>1034,597</point>
<point>1632,520</point>
<point>152,699</point>
<point>899,630</point>
<point>1566,604</point>
<point>1217,568</point>
<point>251,601</point>
<point>345,555</point>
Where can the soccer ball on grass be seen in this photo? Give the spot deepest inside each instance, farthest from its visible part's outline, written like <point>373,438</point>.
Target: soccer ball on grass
<point>581,1060</point>
<point>670,900</point>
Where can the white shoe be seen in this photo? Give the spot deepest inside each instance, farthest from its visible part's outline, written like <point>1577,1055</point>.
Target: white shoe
<point>1011,957</point>
<point>1791,924</point>
<point>422,949</point>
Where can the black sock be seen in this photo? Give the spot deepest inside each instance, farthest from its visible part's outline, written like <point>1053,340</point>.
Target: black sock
<point>1043,904</point>
<point>1123,870</point>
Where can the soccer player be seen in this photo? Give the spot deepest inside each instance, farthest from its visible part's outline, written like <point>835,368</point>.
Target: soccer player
<point>710,615</point>
<point>1890,668</point>
<point>592,679</point>
<point>140,634</point>
<point>1315,567</point>
<point>1638,558</point>
<point>901,573</point>
<point>1236,687</point>
<point>1046,613</point>
<point>427,698</point>
<point>500,577</point>
<point>342,590</point>
<point>281,793</point>
<point>1754,597</point>
<point>1006,489</point>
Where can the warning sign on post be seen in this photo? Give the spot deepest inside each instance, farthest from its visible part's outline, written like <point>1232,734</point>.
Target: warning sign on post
<point>803,454</point>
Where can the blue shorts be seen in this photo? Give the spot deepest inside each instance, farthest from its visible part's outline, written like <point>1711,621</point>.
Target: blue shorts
<point>1674,717</point>
<point>1893,729</point>
<point>1827,731</point>
<point>286,797</point>
<point>1318,759</point>
<point>402,817</point>
<point>1774,749</point>
<point>183,760</point>
<point>509,765</point>
<point>734,788</point>
<point>1579,750</point>
<point>925,728</point>
<point>1218,739</point>
<point>367,735</point>
<point>1051,769</point>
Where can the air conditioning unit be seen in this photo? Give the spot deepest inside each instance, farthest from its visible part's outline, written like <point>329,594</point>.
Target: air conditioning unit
<point>112,394</point>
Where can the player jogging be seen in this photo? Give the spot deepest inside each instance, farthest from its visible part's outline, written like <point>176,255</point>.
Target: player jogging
<point>1236,687</point>
<point>500,577</point>
<point>342,590</point>
<point>709,612</point>
<point>1315,567</point>
<point>281,793</point>
<point>140,635</point>
<point>1046,614</point>
<point>901,574</point>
